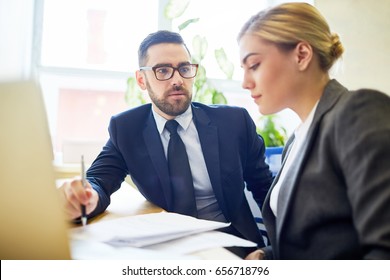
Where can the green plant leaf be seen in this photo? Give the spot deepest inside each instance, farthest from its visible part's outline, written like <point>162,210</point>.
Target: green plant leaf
<point>204,95</point>
<point>200,79</point>
<point>273,133</point>
<point>175,8</point>
<point>199,45</point>
<point>203,92</point>
<point>133,95</point>
<point>219,98</point>
<point>224,64</point>
<point>187,22</point>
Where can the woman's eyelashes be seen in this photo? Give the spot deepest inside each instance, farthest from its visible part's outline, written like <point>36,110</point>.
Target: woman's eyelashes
<point>253,67</point>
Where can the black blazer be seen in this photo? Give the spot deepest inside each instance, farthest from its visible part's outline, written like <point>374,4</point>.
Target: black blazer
<point>335,200</point>
<point>233,152</point>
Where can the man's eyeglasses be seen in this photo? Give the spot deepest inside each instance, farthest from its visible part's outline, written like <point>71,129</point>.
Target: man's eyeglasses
<point>164,73</point>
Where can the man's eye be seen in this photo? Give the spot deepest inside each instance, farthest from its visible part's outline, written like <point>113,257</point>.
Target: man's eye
<point>184,69</point>
<point>162,70</point>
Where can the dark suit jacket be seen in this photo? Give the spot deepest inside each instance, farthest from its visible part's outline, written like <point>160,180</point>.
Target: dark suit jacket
<point>335,201</point>
<point>233,152</point>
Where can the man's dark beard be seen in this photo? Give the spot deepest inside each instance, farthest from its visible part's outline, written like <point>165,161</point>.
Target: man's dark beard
<point>178,108</point>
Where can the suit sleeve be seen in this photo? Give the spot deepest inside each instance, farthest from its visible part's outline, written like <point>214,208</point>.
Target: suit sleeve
<point>365,160</point>
<point>108,171</point>
<point>257,175</point>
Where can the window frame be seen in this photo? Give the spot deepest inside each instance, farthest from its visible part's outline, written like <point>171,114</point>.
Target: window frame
<point>110,80</point>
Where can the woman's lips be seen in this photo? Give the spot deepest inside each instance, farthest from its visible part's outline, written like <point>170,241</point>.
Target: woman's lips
<point>256,97</point>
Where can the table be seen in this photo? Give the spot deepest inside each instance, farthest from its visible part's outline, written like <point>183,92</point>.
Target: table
<point>128,201</point>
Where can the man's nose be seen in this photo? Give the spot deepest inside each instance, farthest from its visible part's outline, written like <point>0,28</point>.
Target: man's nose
<point>177,79</point>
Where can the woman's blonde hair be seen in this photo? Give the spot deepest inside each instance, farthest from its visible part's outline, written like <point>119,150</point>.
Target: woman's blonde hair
<point>288,24</point>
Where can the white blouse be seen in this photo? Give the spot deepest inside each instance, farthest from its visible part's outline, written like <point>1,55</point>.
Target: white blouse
<point>300,137</point>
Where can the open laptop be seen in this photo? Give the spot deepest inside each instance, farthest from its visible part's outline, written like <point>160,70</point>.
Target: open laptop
<point>32,222</point>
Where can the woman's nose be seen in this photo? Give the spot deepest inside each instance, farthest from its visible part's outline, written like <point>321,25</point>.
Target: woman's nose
<point>247,83</point>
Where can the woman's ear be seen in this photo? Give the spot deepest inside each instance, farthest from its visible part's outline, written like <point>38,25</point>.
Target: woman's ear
<point>304,55</point>
<point>140,79</point>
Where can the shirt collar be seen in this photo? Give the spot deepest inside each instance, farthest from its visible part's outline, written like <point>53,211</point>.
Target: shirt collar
<point>304,127</point>
<point>184,119</point>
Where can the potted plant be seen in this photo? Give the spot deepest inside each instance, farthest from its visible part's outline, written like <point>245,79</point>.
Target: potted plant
<point>274,135</point>
<point>204,91</point>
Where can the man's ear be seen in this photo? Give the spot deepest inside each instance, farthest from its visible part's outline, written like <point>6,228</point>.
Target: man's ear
<point>304,55</point>
<point>140,79</point>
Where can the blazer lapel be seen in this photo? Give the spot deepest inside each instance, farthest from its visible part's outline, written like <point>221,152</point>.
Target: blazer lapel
<point>268,215</point>
<point>331,94</point>
<point>208,137</point>
<point>156,152</point>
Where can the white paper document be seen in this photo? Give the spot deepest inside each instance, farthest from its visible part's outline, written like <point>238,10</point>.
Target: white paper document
<point>182,248</point>
<point>199,242</point>
<point>93,250</point>
<point>144,230</point>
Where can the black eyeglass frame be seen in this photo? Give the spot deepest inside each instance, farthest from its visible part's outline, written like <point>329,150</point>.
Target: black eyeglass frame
<point>154,69</point>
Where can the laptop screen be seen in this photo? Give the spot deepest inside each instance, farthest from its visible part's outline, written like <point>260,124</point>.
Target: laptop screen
<point>32,222</point>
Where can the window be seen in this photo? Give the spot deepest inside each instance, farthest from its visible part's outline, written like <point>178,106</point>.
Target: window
<point>220,23</point>
<point>86,49</point>
<point>90,34</point>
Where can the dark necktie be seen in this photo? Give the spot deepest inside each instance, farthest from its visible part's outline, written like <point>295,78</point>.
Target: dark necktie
<point>180,173</point>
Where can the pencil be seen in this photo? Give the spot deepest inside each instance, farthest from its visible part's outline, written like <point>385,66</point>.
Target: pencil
<point>83,180</point>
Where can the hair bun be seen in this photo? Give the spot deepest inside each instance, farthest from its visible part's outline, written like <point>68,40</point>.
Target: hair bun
<point>336,49</point>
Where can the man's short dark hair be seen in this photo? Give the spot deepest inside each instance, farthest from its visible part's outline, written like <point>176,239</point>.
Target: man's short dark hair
<point>159,37</point>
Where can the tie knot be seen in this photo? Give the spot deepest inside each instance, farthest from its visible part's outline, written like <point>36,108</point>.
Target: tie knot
<point>171,126</point>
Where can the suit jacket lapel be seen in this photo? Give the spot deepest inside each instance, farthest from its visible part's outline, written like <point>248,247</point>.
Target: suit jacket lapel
<point>266,211</point>
<point>331,94</point>
<point>156,152</point>
<point>208,137</point>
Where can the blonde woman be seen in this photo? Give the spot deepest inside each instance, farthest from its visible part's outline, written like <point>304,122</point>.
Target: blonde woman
<point>331,199</point>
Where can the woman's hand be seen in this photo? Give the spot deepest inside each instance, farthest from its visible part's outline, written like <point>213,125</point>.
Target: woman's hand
<point>256,255</point>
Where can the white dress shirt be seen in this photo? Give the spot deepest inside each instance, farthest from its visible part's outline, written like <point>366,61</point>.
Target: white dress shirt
<point>206,203</point>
